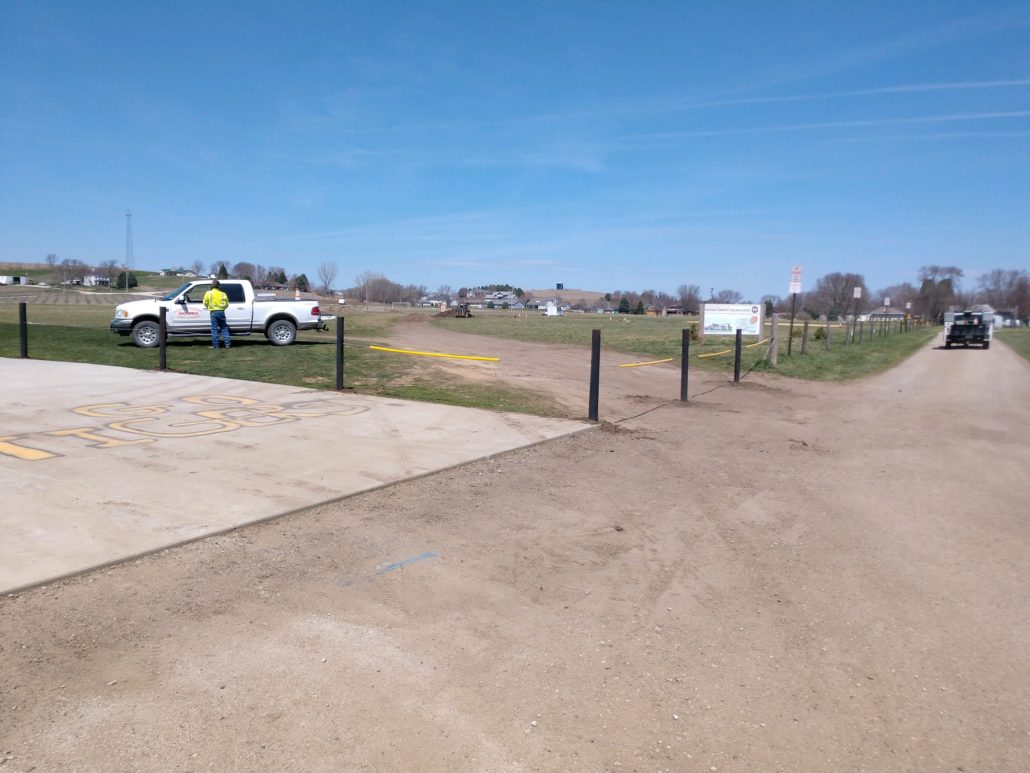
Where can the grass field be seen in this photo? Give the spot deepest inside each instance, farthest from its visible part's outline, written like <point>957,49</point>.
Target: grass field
<point>147,280</point>
<point>661,337</point>
<point>80,333</point>
<point>1018,339</point>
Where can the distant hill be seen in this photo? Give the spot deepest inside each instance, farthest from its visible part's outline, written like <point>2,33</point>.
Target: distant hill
<point>586,297</point>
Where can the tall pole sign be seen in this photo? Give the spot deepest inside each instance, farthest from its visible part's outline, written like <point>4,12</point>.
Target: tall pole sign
<point>795,288</point>
<point>858,298</point>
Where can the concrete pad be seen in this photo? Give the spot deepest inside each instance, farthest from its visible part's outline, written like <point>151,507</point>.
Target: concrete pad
<point>99,464</point>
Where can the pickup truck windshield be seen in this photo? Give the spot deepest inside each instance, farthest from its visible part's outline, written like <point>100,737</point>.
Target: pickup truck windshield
<point>175,292</point>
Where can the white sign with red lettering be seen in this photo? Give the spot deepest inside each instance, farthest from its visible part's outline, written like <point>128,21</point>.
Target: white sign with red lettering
<point>795,280</point>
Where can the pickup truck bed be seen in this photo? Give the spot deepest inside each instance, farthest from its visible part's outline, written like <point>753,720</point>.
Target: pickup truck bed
<point>968,329</point>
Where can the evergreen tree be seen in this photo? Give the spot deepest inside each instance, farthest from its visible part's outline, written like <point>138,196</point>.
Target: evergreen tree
<point>624,306</point>
<point>640,308</point>
<point>120,282</point>
<point>223,273</point>
<point>302,283</point>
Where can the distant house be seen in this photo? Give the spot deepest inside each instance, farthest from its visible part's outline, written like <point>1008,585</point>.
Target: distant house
<point>14,280</point>
<point>96,280</point>
<point>431,301</point>
<point>885,313</point>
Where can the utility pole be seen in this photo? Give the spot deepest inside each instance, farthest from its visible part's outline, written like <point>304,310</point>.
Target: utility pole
<point>129,259</point>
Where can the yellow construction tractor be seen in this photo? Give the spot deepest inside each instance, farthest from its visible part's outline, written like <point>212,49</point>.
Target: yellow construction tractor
<point>462,310</point>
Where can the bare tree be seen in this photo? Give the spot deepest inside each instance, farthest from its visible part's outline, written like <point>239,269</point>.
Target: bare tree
<point>198,267</point>
<point>71,270</point>
<point>900,294</point>
<point>833,295</point>
<point>327,275</point>
<point>110,270</point>
<point>243,270</point>
<point>689,297</point>
<point>728,296</point>
<point>51,261</point>
<point>1004,290</point>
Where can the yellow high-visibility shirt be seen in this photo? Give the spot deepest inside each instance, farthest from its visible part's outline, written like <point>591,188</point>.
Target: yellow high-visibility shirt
<point>216,300</point>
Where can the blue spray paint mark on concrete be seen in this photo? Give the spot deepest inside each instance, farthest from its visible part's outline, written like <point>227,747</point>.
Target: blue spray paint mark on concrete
<point>406,562</point>
<point>391,567</point>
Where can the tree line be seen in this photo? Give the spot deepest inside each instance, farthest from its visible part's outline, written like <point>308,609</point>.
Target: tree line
<point>939,290</point>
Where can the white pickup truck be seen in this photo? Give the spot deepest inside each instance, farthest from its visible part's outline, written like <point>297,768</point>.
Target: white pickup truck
<point>278,318</point>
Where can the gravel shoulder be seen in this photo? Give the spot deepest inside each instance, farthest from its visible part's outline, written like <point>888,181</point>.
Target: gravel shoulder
<point>773,576</point>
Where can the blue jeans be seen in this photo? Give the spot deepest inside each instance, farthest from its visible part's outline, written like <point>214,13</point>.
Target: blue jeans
<point>218,324</point>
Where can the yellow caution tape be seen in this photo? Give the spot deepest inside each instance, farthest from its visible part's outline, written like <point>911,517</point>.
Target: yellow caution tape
<point>757,343</point>
<point>641,364</point>
<point>436,354</point>
<point>714,354</point>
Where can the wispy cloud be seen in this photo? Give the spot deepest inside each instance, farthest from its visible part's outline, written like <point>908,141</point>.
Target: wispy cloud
<point>864,123</point>
<point>905,88</point>
<point>946,34</point>
<point>935,137</point>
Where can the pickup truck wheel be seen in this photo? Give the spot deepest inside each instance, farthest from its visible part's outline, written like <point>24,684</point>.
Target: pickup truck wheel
<point>146,334</point>
<point>282,332</point>
<point>987,344</point>
<point>947,344</point>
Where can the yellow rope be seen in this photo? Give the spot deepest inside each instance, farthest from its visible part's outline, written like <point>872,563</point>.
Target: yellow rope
<point>436,354</point>
<point>641,364</point>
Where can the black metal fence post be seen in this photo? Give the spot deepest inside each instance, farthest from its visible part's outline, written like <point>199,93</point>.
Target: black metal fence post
<point>23,329</point>
<point>595,373</point>
<point>683,367</point>
<point>736,359</point>
<point>339,353</point>
<point>162,340</point>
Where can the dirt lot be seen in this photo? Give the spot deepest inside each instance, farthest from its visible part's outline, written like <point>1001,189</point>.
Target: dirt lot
<point>774,576</point>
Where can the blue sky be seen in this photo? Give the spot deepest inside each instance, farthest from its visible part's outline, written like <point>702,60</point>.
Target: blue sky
<point>606,145</point>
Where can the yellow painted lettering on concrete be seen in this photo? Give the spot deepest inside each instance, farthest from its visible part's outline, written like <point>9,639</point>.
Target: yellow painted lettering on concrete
<point>172,430</point>
<point>98,441</point>
<point>116,410</point>
<point>220,400</point>
<point>256,416</point>
<point>314,408</point>
<point>22,452</point>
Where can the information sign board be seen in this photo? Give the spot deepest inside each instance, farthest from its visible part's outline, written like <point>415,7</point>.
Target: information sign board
<point>726,318</point>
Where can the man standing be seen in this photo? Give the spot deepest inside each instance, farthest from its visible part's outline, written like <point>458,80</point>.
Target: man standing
<point>216,302</point>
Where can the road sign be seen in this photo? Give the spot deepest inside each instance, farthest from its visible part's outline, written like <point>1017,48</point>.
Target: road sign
<point>858,292</point>
<point>887,301</point>
<point>795,280</point>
